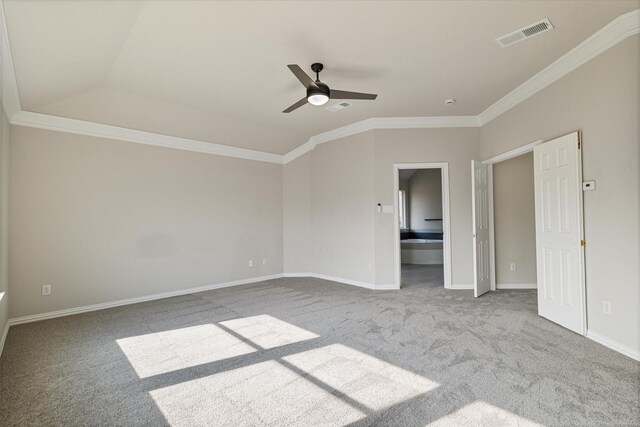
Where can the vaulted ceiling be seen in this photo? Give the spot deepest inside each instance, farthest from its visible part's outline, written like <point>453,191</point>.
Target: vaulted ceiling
<point>215,71</point>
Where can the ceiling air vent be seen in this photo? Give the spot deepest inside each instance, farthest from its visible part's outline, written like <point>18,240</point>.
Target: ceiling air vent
<point>337,107</point>
<point>524,33</point>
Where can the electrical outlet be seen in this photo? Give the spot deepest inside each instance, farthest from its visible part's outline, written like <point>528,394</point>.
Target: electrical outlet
<point>606,307</point>
<point>264,261</point>
<point>514,267</point>
<point>46,290</point>
<point>250,263</point>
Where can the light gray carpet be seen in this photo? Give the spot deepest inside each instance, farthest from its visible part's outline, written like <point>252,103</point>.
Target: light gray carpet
<point>311,352</point>
<point>421,276</point>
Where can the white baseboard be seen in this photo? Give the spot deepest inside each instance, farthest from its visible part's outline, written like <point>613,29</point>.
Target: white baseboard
<point>386,287</point>
<point>381,287</point>
<point>461,286</point>
<point>516,286</point>
<point>345,281</point>
<point>4,337</point>
<point>614,345</point>
<point>594,336</point>
<point>102,306</point>
<point>298,275</point>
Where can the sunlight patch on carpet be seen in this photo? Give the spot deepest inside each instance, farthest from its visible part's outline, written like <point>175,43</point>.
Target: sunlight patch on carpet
<point>368,380</point>
<point>267,331</point>
<point>161,352</point>
<point>265,393</point>
<point>483,414</point>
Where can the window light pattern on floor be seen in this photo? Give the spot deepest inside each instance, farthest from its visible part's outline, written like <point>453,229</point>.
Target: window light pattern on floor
<point>168,351</point>
<point>331,385</point>
<point>483,414</point>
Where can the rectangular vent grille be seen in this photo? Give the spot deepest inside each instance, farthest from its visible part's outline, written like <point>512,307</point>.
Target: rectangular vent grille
<point>525,33</point>
<point>337,107</point>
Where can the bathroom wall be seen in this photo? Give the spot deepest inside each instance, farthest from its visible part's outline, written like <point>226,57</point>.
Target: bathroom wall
<point>425,200</point>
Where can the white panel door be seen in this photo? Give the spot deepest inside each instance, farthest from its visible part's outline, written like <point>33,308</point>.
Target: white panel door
<point>559,233</point>
<point>480,201</point>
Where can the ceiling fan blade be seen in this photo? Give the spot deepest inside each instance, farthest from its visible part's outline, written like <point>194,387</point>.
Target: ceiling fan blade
<point>306,81</point>
<point>345,94</point>
<point>296,105</point>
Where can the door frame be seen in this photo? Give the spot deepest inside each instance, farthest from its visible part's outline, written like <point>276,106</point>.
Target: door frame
<point>527,148</point>
<point>446,218</point>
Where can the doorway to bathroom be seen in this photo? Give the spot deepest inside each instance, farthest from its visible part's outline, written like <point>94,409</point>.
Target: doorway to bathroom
<point>422,231</point>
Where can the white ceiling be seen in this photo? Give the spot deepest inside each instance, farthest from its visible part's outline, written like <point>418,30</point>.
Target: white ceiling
<point>216,71</point>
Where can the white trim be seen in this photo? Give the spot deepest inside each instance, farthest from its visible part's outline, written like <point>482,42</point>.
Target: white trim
<point>136,300</point>
<point>104,305</point>
<point>462,286</point>
<point>381,123</point>
<point>617,30</point>
<point>614,345</point>
<point>3,339</point>
<point>386,287</point>
<point>367,285</point>
<point>501,286</point>
<point>613,33</point>
<point>518,151</point>
<point>446,218</point>
<point>492,243</point>
<point>345,281</point>
<point>62,124</point>
<point>9,91</point>
<point>297,275</point>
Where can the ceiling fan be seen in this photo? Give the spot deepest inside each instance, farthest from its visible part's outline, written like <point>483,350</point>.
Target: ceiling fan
<point>319,93</point>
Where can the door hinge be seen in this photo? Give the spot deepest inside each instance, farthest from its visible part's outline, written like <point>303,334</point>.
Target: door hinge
<point>583,242</point>
<point>579,139</point>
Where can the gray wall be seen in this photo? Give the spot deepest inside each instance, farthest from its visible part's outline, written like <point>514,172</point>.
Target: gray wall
<point>297,215</point>
<point>457,147</point>
<point>350,238</point>
<point>601,99</point>
<point>515,222</point>
<point>103,220</point>
<point>342,209</point>
<point>4,196</point>
<point>425,199</point>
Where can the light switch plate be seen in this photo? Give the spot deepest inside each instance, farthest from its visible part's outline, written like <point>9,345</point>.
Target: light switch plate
<point>588,185</point>
<point>387,208</point>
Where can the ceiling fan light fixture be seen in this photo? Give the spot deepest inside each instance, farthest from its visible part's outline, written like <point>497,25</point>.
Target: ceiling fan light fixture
<point>319,93</point>
<point>317,99</point>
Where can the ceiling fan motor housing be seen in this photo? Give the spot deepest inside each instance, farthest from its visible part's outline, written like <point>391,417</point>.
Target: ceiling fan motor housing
<point>320,89</point>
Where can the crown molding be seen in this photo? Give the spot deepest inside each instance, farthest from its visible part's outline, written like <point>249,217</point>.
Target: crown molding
<point>9,86</point>
<point>613,33</point>
<point>62,124</point>
<point>617,30</point>
<point>381,123</point>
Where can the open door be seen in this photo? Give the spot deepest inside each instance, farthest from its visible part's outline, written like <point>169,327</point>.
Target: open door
<point>480,201</point>
<point>559,232</point>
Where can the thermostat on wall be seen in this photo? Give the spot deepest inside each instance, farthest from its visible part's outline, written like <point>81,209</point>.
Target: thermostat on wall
<point>588,185</point>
